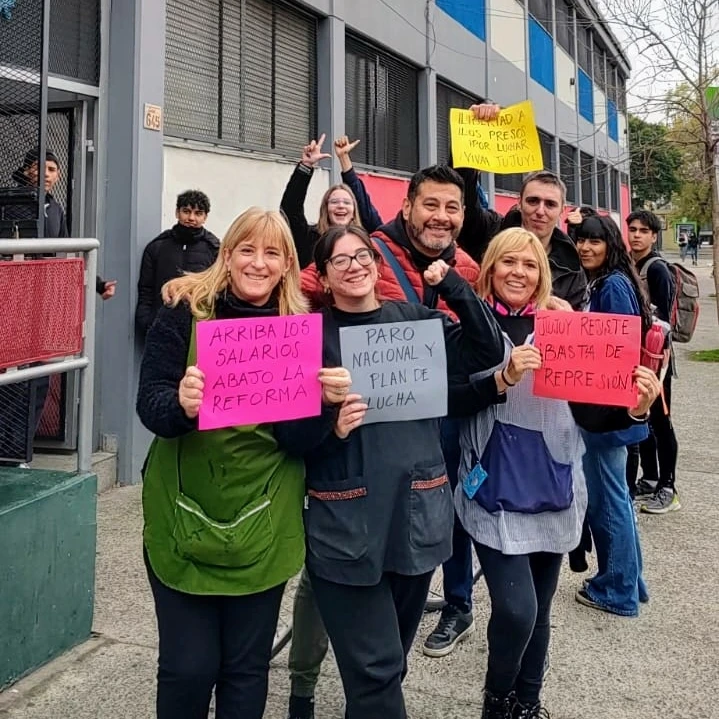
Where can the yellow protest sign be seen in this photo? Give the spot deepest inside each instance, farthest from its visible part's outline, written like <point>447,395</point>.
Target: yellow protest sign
<point>508,144</point>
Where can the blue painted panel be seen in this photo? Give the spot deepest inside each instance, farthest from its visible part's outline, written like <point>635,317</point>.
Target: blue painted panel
<point>586,96</point>
<point>612,121</point>
<point>541,55</point>
<point>471,14</point>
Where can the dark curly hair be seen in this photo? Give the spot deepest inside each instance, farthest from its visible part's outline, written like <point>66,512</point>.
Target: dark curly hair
<point>195,199</point>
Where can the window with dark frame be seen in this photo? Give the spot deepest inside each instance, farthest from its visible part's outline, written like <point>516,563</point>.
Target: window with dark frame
<point>381,107</point>
<point>568,169</point>
<point>584,45</point>
<point>546,142</point>
<point>565,26</point>
<point>614,190</point>
<point>541,10</point>
<point>245,76</point>
<point>586,163</point>
<point>612,82</point>
<point>600,72</point>
<point>448,97</point>
<point>602,194</point>
<point>621,91</point>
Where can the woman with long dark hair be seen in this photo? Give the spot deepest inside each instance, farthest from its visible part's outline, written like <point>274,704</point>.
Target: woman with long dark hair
<point>614,287</point>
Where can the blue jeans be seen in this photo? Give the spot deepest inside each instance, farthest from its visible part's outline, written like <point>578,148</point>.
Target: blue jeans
<point>618,585</point>
<point>457,570</point>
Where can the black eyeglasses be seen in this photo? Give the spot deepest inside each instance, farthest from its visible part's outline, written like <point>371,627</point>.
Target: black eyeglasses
<point>364,257</point>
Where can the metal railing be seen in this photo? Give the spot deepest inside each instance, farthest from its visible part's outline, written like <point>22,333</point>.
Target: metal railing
<point>83,362</point>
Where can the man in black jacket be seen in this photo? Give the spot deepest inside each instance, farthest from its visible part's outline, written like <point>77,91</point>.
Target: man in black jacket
<point>659,451</point>
<point>186,247</point>
<point>541,202</point>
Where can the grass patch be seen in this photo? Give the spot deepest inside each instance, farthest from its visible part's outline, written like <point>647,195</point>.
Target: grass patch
<point>705,355</point>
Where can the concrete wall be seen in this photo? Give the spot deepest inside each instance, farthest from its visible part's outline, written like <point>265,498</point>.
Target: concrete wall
<point>233,183</point>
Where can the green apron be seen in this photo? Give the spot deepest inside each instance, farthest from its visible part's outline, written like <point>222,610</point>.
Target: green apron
<point>223,509</point>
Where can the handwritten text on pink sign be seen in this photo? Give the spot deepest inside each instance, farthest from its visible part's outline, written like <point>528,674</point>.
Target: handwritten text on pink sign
<point>259,370</point>
<point>587,357</point>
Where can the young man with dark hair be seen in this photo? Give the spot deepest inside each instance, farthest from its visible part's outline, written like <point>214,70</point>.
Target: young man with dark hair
<point>659,451</point>
<point>185,247</point>
<point>541,202</point>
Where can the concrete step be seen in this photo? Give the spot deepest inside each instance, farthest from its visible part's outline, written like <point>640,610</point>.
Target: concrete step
<point>104,466</point>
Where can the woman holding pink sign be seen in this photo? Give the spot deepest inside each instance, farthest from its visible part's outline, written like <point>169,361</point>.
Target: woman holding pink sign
<point>614,287</point>
<point>222,508</point>
<point>522,494</point>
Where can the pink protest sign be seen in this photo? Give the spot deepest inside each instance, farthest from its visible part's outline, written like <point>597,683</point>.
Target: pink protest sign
<point>587,357</point>
<point>259,370</point>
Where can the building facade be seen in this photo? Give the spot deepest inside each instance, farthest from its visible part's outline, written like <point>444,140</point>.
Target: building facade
<point>221,95</point>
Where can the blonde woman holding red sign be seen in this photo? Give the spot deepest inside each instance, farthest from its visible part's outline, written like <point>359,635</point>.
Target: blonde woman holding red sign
<point>522,494</point>
<point>222,508</point>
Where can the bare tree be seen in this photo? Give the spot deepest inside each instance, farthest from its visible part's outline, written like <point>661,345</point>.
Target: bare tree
<point>677,42</point>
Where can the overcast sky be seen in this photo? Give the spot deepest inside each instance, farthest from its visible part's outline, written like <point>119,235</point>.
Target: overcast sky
<point>652,77</point>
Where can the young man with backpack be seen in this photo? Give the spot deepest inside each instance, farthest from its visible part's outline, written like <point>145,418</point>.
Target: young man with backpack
<point>659,451</point>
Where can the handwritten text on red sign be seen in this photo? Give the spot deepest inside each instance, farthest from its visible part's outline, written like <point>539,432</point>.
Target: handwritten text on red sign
<point>587,357</point>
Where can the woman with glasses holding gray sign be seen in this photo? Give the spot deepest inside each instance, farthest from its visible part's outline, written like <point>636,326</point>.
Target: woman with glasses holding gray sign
<point>379,513</point>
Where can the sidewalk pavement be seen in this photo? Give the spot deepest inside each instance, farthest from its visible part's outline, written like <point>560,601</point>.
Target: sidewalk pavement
<point>663,665</point>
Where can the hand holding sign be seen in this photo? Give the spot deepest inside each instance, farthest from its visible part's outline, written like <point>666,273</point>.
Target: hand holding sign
<point>336,382</point>
<point>190,392</point>
<point>522,358</point>
<point>350,416</point>
<point>649,388</point>
<point>485,111</point>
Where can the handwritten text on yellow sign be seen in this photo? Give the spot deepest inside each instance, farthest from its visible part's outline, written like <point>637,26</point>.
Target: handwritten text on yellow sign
<point>508,144</point>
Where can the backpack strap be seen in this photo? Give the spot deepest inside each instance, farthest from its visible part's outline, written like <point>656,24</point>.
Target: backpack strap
<point>409,291</point>
<point>645,267</point>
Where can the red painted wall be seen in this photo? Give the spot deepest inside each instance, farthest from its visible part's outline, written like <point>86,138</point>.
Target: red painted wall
<point>625,204</point>
<point>387,193</point>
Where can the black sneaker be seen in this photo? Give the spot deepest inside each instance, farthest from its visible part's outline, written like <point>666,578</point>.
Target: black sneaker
<point>645,488</point>
<point>452,628</point>
<point>496,707</point>
<point>301,708</point>
<point>529,711</point>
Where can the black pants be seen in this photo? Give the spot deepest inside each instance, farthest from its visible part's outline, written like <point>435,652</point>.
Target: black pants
<point>521,588</point>
<point>658,452</point>
<point>215,642</point>
<point>372,630</point>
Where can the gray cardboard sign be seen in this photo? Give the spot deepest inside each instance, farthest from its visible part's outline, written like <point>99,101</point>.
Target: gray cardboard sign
<point>399,368</point>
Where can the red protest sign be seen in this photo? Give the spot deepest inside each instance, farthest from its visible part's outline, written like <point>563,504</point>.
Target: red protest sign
<point>587,357</point>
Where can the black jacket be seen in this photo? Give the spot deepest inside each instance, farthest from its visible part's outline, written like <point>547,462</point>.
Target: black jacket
<point>660,285</point>
<point>171,254</point>
<point>480,226</point>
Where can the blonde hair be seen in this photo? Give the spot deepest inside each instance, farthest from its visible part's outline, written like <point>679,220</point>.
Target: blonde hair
<point>516,239</point>
<point>200,289</point>
<point>324,224</point>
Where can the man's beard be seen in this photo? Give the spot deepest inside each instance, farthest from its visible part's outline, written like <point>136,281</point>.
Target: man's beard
<point>416,234</point>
